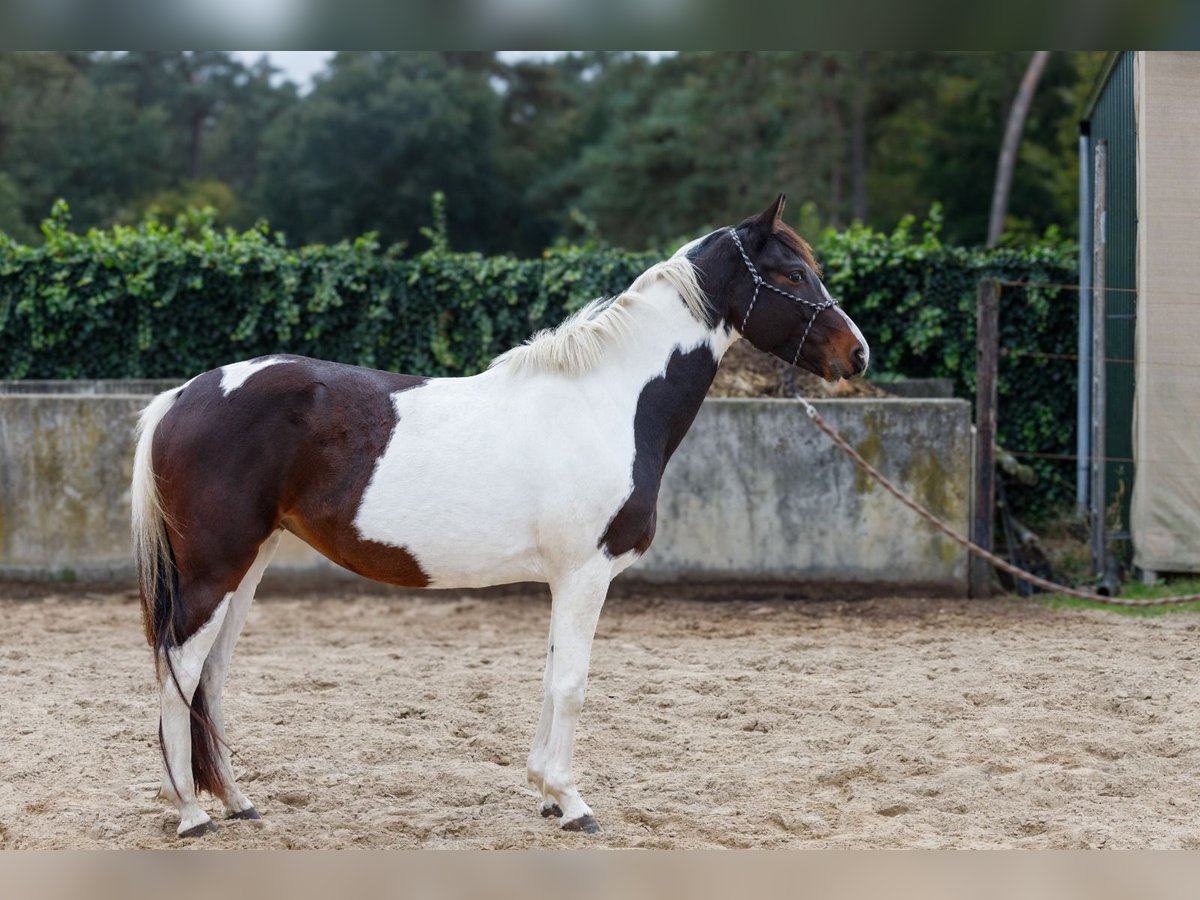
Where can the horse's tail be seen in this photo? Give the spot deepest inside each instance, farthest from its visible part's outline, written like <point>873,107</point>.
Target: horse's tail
<point>157,576</point>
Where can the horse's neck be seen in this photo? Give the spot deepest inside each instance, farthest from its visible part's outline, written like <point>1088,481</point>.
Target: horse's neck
<point>667,362</point>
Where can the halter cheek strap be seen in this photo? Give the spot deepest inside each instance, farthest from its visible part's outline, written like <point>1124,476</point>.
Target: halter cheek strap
<point>817,308</point>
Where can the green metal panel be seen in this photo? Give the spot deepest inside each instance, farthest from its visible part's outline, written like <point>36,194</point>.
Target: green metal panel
<point>1112,120</point>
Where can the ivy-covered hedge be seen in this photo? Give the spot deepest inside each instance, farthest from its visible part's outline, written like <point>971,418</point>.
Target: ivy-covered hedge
<point>168,301</point>
<point>155,301</point>
<point>915,300</point>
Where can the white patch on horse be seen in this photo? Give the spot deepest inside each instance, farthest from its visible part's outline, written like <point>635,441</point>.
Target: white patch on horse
<point>862,341</point>
<point>578,598</point>
<point>187,662</point>
<point>234,375</point>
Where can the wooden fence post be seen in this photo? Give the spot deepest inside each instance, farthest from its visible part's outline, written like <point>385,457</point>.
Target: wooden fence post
<point>987,344</point>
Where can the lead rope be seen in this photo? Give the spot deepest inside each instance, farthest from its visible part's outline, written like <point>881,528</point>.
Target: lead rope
<point>971,546</point>
<point>817,308</point>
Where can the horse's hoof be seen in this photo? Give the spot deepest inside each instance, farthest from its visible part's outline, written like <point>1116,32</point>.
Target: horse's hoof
<point>250,813</point>
<point>552,810</point>
<point>587,824</point>
<point>199,830</point>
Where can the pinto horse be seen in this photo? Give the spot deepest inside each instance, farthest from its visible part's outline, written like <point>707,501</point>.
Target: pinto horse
<point>546,467</point>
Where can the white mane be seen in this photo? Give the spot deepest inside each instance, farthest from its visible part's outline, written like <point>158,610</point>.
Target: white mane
<point>577,344</point>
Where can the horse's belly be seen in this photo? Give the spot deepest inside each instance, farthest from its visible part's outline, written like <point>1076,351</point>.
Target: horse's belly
<point>456,534</point>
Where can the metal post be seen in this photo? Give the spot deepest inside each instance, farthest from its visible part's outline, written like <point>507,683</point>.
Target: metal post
<point>1098,496</point>
<point>987,343</point>
<point>1083,380</point>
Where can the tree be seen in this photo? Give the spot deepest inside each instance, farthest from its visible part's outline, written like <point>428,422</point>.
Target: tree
<point>1012,140</point>
<point>63,134</point>
<point>12,223</point>
<point>644,151</point>
<point>378,135</point>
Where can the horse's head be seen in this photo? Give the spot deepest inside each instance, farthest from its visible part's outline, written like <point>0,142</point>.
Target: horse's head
<point>763,281</point>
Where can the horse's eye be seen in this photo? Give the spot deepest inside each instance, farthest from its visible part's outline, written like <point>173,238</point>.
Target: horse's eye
<point>796,277</point>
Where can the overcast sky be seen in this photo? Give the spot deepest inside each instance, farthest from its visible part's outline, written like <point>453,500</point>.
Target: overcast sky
<point>297,65</point>
<point>301,65</point>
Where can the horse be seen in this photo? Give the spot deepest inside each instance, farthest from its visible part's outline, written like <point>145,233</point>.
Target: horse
<point>545,467</point>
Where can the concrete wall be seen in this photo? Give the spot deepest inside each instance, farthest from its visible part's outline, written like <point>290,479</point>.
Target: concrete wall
<point>755,492</point>
<point>65,466</point>
<point>758,492</point>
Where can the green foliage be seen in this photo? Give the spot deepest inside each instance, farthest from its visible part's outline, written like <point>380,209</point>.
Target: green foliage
<point>644,149</point>
<point>209,194</point>
<point>1134,590</point>
<point>379,134</point>
<point>11,221</point>
<point>170,301</point>
<point>914,297</point>
<point>166,301</point>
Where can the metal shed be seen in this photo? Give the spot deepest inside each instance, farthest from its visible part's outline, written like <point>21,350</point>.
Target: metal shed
<point>1140,310</point>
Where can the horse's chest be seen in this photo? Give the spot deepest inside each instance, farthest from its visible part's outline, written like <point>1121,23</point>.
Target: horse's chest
<point>665,409</point>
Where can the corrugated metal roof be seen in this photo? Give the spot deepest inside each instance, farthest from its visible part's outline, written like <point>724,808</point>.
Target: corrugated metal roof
<point>1106,70</point>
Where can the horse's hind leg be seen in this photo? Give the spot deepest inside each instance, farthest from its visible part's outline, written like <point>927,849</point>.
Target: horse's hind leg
<point>216,670</point>
<point>179,672</point>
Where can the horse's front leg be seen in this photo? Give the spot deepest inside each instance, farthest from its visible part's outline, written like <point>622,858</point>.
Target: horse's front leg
<point>575,611</point>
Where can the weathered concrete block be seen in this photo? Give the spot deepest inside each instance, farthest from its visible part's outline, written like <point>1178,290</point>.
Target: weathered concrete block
<point>82,387</point>
<point>756,491</point>
<point>65,467</point>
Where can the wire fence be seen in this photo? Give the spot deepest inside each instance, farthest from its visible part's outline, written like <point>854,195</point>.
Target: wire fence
<point>994,559</point>
<point>1122,363</point>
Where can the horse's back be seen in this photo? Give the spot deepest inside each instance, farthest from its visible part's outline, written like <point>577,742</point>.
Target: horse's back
<point>265,416</point>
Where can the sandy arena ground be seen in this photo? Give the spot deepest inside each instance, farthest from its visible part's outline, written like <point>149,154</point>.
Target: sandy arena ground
<point>399,721</point>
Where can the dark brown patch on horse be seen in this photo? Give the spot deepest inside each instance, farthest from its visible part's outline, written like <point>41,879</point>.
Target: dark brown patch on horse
<point>357,419</point>
<point>774,323</point>
<point>665,410</point>
<point>293,447</point>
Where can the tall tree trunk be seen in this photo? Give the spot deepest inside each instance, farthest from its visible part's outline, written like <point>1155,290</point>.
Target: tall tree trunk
<point>1012,142</point>
<point>858,141</point>
<point>194,155</point>
<point>836,175</point>
<point>832,105</point>
<point>197,117</point>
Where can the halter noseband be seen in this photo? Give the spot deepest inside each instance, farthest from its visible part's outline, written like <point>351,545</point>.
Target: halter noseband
<point>817,308</point>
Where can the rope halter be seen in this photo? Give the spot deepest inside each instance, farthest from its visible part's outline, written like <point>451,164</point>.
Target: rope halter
<point>817,308</point>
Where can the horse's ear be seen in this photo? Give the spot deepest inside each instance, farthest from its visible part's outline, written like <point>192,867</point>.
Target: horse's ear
<point>772,216</point>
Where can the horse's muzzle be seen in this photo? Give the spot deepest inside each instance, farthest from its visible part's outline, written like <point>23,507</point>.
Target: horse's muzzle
<point>848,357</point>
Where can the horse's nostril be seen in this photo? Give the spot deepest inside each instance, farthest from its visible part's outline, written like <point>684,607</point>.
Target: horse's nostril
<point>860,358</point>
